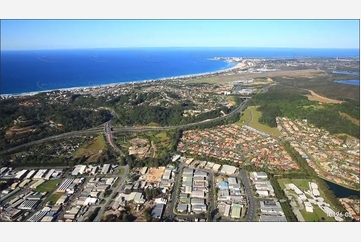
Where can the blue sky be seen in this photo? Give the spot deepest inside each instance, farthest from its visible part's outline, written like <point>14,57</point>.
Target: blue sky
<point>70,34</point>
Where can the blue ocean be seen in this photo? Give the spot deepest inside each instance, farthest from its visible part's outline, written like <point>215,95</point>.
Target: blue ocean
<point>35,71</point>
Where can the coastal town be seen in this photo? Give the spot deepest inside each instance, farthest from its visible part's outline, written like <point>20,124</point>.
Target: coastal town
<point>220,172</point>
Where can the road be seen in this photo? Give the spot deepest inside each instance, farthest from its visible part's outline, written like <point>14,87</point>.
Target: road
<point>251,211</point>
<point>107,130</point>
<point>110,197</point>
<point>109,137</point>
<point>177,182</point>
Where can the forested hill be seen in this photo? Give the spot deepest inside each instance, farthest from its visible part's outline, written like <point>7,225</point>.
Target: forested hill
<point>296,106</point>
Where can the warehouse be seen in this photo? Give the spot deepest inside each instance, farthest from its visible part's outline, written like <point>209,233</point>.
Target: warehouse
<point>47,218</point>
<point>37,216</point>
<point>3,170</point>
<point>216,167</point>
<point>11,213</point>
<point>90,201</point>
<point>106,169</point>
<point>24,183</point>
<point>271,207</point>
<point>37,183</point>
<point>182,207</point>
<point>197,194</point>
<point>101,188</point>
<point>21,174</point>
<point>40,174</point>
<point>272,218</point>
<point>199,208</point>
<point>30,174</point>
<point>64,185</point>
<point>72,188</point>
<point>227,210</point>
<point>35,196</point>
<point>228,170</point>
<point>209,165</point>
<point>78,169</point>
<point>62,200</point>
<point>309,207</point>
<point>197,201</point>
<point>157,211</point>
<point>188,171</point>
<point>49,174</point>
<point>256,176</point>
<point>232,181</point>
<point>28,205</point>
<point>200,174</point>
<point>236,210</point>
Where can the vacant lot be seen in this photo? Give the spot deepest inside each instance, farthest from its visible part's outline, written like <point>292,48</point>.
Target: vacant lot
<point>93,149</point>
<point>315,97</point>
<point>155,174</point>
<point>48,186</point>
<point>251,117</point>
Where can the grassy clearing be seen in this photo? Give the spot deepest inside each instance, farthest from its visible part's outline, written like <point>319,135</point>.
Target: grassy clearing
<point>54,197</point>
<point>252,115</point>
<point>315,97</point>
<point>48,186</point>
<point>353,120</point>
<point>153,124</point>
<point>92,149</point>
<point>121,171</point>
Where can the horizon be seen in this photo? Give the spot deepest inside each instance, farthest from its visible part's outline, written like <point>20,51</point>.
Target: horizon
<point>130,33</point>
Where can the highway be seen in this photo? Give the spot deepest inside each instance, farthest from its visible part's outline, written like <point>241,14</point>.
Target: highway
<point>251,211</point>
<point>98,130</point>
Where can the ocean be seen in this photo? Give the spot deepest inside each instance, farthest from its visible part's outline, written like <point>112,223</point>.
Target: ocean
<point>36,71</point>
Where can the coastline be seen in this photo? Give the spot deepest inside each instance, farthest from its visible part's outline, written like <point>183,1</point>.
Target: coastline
<point>238,65</point>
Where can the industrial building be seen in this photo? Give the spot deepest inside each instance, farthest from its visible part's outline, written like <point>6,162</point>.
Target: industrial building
<point>227,210</point>
<point>256,176</point>
<point>38,216</point>
<point>28,205</point>
<point>197,201</point>
<point>64,185</point>
<point>37,183</point>
<point>30,174</point>
<point>271,207</point>
<point>167,174</point>
<point>272,218</point>
<point>94,170</point>
<point>228,170</point>
<point>197,194</point>
<point>40,174</point>
<point>21,174</point>
<point>49,174</point>
<point>105,169</point>
<point>78,170</point>
<point>24,183</point>
<point>157,211</point>
<point>199,208</point>
<point>182,207</point>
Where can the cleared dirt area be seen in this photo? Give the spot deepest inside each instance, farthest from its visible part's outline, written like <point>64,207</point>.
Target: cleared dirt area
<point>155,174</point>
<point>139,148</point>
<point>353,120</point>
<point>315,97</point>
<point>16,130</point>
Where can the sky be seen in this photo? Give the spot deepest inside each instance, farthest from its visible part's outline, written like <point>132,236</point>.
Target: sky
<point>83,34</point>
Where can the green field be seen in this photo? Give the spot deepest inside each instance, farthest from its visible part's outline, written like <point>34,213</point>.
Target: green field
<point>92,149</point>
<point>54,197</point>
<point>48,186</point>
<point>251,116</point>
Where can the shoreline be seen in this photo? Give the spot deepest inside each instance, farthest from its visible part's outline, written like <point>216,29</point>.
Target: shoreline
<point>238,65</point>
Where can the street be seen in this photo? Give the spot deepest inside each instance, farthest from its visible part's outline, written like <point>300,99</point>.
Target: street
<point>251,211</point>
